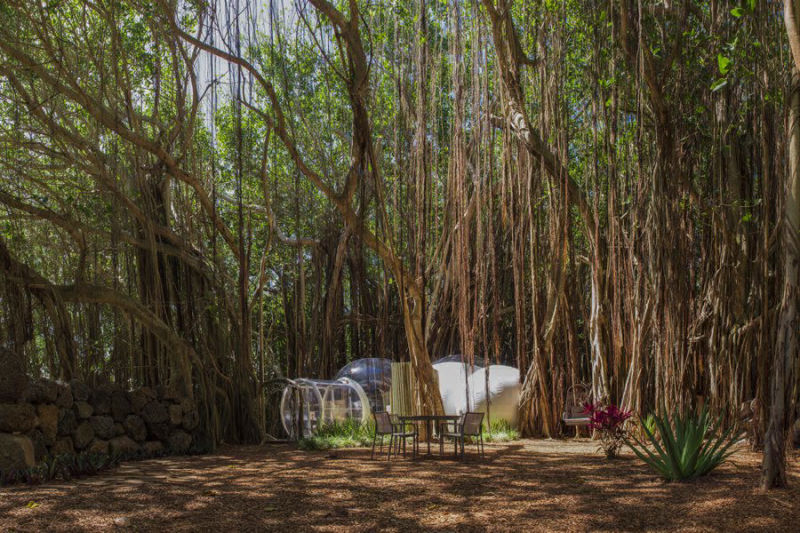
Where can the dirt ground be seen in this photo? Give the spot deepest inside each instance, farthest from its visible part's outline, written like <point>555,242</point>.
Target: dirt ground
<point>531,485</point>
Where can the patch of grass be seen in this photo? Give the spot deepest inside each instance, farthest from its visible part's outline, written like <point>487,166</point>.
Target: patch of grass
<point>500,431</point>
<point>349,433</point>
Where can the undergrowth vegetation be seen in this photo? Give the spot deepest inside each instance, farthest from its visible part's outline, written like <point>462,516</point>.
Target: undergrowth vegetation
<point>347,434</point>
<point>353,434</point>
<point>500,431</point>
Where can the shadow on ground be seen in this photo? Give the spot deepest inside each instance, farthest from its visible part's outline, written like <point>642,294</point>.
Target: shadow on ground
<point>527,485</point>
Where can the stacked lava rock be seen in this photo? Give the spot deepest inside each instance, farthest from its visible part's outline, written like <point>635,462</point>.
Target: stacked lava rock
<point>42,417</point>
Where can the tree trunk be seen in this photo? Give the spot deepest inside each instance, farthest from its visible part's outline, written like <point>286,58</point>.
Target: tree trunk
<point>786,340</point>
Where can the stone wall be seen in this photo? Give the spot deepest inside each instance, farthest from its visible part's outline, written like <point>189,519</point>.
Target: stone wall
<point>51,418</point>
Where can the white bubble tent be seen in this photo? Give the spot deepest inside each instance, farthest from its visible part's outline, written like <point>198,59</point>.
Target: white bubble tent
<point>364,386</point>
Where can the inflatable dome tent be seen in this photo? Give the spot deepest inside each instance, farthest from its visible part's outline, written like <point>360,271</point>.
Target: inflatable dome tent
<point>478,363</point>
<point>374,374</point>
<point>503,392</point>
<point>463,390</point>
<point>453,372</point>
<point>308,404</point>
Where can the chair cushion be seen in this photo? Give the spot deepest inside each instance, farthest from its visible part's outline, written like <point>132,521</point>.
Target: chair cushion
<point>576,421</point>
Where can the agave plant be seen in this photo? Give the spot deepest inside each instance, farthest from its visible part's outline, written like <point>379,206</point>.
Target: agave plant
<point>687,446</point>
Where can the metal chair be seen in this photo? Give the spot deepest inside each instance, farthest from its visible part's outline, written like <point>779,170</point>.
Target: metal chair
<point>384,425</point>
<point>469,426</point>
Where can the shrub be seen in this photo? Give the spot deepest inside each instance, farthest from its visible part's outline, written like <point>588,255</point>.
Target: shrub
<point>609,423</point>
<point>685,446</point>
<point>500,431</point>
<point>349,433</point>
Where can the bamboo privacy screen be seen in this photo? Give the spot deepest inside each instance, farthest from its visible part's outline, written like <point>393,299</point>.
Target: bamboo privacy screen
<point>403,390</point>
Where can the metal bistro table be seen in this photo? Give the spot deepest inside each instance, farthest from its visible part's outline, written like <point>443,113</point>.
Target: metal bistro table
<point>429,420</point>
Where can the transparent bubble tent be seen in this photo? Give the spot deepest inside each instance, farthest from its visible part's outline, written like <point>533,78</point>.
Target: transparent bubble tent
<point>308,404</point>
<point>364,386</point>
<point>375,377</point>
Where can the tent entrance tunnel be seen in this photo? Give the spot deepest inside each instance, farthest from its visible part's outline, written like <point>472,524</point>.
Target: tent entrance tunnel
<point>364,386</point>
<point>360,388</point>
<point>308,404</point>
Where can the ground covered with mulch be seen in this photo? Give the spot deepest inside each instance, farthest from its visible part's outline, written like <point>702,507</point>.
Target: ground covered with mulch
<point>524,485</point>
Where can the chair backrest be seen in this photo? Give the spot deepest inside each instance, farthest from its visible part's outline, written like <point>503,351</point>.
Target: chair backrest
<point>575,411</point>
<point>577,397</point>
<point>383,424</point>
<point>579,394</point>
<point>472,423</point>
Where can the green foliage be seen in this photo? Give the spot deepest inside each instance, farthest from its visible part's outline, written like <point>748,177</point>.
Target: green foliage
<point>500,431</point>
<point>724,64</point>
<point>347,434</point>
<point>687,445</point>
<point>649,424</point>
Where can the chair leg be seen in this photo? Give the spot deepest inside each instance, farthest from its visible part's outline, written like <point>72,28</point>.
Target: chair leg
<point>404,447</point>
<point>374,438</point>
<point>391,444</point>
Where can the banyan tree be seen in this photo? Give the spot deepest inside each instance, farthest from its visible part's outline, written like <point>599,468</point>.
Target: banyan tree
<point>226,195</point>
